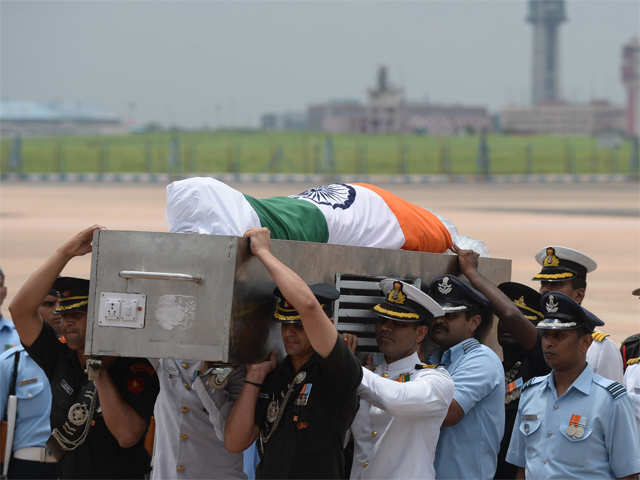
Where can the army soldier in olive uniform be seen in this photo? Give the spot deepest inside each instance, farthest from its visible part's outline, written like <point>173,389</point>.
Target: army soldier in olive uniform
<point>98,426</point>
<point>300,410</point>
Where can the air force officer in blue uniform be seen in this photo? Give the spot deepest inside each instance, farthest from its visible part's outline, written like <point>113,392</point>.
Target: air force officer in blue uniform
<point>572,423</point>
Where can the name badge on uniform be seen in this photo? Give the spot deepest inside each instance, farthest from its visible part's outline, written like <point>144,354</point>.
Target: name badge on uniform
<point>29,381</point>
<point>577,423</point>
<point>303,396</point>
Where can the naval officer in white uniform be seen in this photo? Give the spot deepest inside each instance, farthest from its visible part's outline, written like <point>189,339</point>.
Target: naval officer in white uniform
<point>565,270</point>
<point>402,403</point>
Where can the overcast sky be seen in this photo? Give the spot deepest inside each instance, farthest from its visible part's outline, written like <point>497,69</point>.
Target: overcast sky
<point>194,63</point>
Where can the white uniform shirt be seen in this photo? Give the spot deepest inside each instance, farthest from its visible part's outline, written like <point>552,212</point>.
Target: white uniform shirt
<point>632,384</point>
<point>190,418</point>
<point>397,427</point>
<point>605,359</point>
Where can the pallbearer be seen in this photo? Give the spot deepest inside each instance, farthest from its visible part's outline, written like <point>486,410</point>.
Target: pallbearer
<point>97,426</point>
<point>402,403</point>
<point>300,410</point>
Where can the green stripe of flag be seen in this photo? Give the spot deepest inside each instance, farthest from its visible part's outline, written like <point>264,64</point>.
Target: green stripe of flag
<point>291,219</point>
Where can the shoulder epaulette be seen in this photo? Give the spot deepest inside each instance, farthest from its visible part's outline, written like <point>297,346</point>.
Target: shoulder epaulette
<point>470,346</point>
<point>10,351</point>
<point>530,382</point>
<point>599,336</point>
<point>614,388</point>
<point>633,361</point>
<point>423,366</point>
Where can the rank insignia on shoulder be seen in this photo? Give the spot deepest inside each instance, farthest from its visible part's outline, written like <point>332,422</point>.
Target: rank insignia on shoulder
<point>423,366</point>
<point>616,390</point>
<point>530,382</point>
<point>135,385</point>
<point>403,377</point>
<point>599,336</point>
<point>633,361</point>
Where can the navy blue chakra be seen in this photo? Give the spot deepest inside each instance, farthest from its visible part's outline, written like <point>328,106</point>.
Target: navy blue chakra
<point>336,195</point>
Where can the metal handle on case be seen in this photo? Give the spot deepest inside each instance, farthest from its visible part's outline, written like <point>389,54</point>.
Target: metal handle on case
<point>160,276</point>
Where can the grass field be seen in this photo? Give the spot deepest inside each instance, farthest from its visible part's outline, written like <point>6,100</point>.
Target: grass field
<point>307,152</point>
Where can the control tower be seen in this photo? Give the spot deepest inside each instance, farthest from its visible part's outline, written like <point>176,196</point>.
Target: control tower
<point>630,73</point>
<point>545,16</point>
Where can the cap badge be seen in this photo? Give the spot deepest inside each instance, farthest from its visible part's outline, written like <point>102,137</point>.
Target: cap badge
<point>551,260</point>
<point>396,295</point>
<point>444,287</point>
<point>552,304</point>
<point>520,302</point>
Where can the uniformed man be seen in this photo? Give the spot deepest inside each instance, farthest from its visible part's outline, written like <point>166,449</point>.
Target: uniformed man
<point>8,335</point>
<point>573,423</point>
<point>565,270</point>
<point>518,309</point>
<point>49,312</point>
<point>471,432</point>
<point>98,426</point>
<point>632,384</point>
<point>520,363</point>
<point>30,458</point>
<point>190,415</point>
<point>300,410</point>
<point>404,402</point>
<point>630,350</point>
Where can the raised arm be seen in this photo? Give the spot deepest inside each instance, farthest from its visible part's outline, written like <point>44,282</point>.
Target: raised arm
<point>513,321</point>
<point>24,306</point>
<point>321,332</point>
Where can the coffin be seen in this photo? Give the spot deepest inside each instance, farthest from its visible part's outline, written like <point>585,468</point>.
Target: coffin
<point>173,295</point>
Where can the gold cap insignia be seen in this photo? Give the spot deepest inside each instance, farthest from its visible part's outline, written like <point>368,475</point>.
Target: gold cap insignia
<point>396,295</point>
<point>551,260</point>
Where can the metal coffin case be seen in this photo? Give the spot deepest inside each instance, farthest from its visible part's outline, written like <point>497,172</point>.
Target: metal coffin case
<point>205,297</point>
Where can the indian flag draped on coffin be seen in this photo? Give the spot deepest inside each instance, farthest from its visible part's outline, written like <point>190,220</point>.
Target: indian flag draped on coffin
<point>349,214</point>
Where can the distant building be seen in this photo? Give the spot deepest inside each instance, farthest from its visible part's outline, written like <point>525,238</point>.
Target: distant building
<point>337,116</point>
<point>388,111</point>
<point>49,119</point>
<point>594,118</point>
<point>284,121</point>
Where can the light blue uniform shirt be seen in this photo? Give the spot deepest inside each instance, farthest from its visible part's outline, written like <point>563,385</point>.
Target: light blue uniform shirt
<point>8,334</point>
<point>250,460</point>
<point>604,445</point>
<point>34,399</point>
<point>470,448</point>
